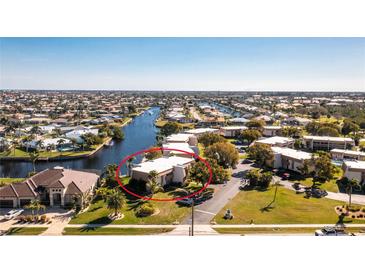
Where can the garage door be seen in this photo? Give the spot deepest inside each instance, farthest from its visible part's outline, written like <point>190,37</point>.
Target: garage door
<point>24,202</point>
<point>6,203</point>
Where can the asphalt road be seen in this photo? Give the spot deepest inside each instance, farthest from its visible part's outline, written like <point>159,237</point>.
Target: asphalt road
<point>223,193</point>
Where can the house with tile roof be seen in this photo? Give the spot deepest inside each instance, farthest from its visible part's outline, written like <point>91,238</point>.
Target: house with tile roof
<point>53,187</point>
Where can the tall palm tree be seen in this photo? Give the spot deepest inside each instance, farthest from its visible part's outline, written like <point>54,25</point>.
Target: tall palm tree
<point>115,201</point>
<point>35,205</point>
<point>152,183</point>
<point>15,144</point>
<point>350,185</point>
<point>34,155</point>
<point>40,144</point>
<point>60,142</point>
<point>129,166</point>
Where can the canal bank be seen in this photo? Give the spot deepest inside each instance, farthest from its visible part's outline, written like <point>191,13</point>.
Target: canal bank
<point>140,133</point>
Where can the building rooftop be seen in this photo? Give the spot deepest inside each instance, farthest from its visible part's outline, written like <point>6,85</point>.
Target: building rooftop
<point>275,140</point>
<point>179,146</point>
<point>327,138</point>
<point>292,153</point>
<point>201,130</point>
<point>180,137</point>
<point>162,164</point>
<point>348,152</point>
<point>355,164</point>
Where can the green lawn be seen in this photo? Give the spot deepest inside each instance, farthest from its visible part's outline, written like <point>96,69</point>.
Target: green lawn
<point>114,231</point>
<point>329,185</point>
<point>6,181</point>
<point>20,153</point>
<point>98,213</point>
<point>26,230</point>
<point>290,208</point>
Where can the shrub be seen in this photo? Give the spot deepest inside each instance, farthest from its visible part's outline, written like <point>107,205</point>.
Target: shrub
<point>28,218</point>
<point>43,218</point>
<point>145,210</point>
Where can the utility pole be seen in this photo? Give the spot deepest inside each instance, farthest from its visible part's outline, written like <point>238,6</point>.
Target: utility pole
<point>192,217</point>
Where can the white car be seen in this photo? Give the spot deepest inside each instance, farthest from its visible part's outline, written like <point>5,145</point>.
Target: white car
<point>330,231</point>
<point>13,213</point>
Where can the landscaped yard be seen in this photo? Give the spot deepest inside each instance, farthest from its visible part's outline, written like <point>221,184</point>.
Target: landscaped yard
<point>26,230</point>
<point>289,208</point>
<point>329,185</point>
<point>114,231</point>
<point>169,212</point>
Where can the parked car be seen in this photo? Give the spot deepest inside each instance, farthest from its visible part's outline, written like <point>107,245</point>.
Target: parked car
<point>13,213</point>
<point>319,193</point>
<point>185,202</point>
<point>331,231</point>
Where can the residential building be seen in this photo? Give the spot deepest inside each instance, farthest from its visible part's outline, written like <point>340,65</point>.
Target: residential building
<point>200,131</point>
<point>169,169</point>
<point>343,154</point>
<point>290,159</point>
<point>277,141</point>
<point>54,187</point>
<point>231,131</point>
<point>172,149</point>
<point>327,142</point>
<point>191,139</point>
<point>354,170</point>
<point>269,131</point>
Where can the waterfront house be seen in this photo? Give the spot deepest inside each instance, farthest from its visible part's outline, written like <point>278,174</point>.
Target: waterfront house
<point>169,169</point>
<point>200,131</point>
<point>54,187</point>
<point>191,139</point>
<point>327,142</point>
<point>78,133</point>
<point>170,149</point>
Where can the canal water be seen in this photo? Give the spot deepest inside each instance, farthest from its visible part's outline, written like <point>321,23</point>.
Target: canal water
<point>139,134</point>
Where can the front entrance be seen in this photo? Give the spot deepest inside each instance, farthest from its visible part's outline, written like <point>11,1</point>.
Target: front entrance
<point>56,199</point>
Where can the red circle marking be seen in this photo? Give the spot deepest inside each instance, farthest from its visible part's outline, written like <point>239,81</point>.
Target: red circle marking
<point>163,199</point>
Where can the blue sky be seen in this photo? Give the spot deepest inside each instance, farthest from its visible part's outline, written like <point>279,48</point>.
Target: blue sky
<point>183,63</point>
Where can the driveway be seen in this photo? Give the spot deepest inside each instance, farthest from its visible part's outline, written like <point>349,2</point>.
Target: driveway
<point>223,193</point>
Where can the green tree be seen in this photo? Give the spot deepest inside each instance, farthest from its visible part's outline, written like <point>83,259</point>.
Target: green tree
<point>250,135</point>
<point>170,128</point>
<point>152,185</point>
<point>118,134</point>
<point>350,185</point>
<point>208,139</point>
<point>328,131</point>
<point>324,170</point>
<point>110,176</point>
<point>115,201</point>
<point>226,154</point>
<point>34,155</point>
<point>349,127</point>
<point>151,155</point>
<point>262,154</point>
<point>256,124</point>
<point>199,172</point>
<point>35,206</point>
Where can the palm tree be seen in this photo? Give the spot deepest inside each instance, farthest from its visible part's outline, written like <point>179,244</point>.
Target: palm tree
<point>34,155</point>
<point>74,143</point>
<point>115,201</point>
<point>40,144</point>
<point>129,166</point>
<point>152,183</point>
<point>350,185</point>
<point>35,205</point>
<point>15,144</point>
<point>60,142</point>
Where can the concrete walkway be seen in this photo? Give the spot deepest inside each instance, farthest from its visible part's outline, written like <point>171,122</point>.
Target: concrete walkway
<point>59,221</point>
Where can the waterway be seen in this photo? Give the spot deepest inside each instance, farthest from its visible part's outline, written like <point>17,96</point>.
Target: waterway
<point>139,134</point>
